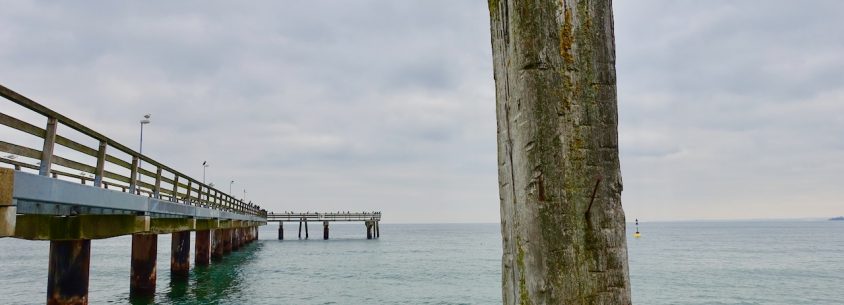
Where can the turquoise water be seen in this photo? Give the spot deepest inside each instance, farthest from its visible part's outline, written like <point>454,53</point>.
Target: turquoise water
<point>784,262</point>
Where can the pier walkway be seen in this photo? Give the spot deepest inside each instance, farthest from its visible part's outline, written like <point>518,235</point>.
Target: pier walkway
<point>370,220</point>
<point>100,191</point>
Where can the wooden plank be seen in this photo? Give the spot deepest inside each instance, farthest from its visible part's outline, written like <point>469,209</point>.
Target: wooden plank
<point>22,126</point>
<point>133,177</point>
<point>157,187</point>
<point>98,175</point>
<point>49,143</point>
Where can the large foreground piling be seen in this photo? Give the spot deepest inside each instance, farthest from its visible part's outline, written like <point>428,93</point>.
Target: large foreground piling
<point>67,280</point>
<point>143,273</point>
<point>325,230</point>
<point>217,246</point>
<point>368,229</point>
<point>280,231</point>
<point>180,254</point>
<point>203,248</point>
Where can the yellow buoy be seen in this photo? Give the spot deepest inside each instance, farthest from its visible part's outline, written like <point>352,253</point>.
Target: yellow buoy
<point>637,234</point>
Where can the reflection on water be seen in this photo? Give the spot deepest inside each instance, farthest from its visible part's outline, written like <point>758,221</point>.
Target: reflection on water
<point>209,284</point>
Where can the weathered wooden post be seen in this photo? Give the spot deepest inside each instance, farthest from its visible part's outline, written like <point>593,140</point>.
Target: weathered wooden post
<point>203,248</point>
<point>300,229</point>
<point>562,222</point>
<point>67,279</point>
<point>306,229</point>
<point>280,230</point>
<point>325,230</point>
<point>218,246</point>
<point>368,225</point>
<point>180,254</point>
<point>143,273</point>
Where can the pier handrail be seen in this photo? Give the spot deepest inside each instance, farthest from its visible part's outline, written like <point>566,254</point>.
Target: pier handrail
<point>184,189</point>
<point>332,216</point>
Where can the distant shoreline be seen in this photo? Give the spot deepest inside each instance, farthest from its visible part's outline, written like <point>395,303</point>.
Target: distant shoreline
<point>839,218</point>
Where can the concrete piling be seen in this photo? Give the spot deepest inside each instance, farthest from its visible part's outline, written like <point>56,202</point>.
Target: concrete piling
<point>325,230</point>
<point>217,246</point>
<point>300,229</point>
<point>180,254</point>
<point>235,239</point>
<point>306,230</point>
<point>368,229</point>
<point>67,279</point>
<point>143,273</point>
<point>227,241</point>
<point>203,248</point>
<point>377,229</point>
<point>280,231</point>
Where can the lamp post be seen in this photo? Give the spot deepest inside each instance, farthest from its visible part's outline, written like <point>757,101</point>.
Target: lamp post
<point>230,186</point>
<point>141,149</point>
<point>204,166</point>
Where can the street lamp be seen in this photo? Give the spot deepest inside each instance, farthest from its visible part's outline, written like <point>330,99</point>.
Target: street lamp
<point>204,166</point>
<point>230,186</point>
<point>141,149</point>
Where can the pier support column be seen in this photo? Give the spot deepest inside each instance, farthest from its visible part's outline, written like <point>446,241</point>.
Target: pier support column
<point>377,229</point>
<point>143,274</point>
<point>368,229</point>
<point>203,248</point>
<point>67,278</point>
<point>325,230</point>
<point>227,241</point>
<point>300,229</point>
<point>306,230</point>
<point>180,254</point>
<point>280,230</point>
<point>235,239</point>
<point>256,233</point>
<point>217,245</point>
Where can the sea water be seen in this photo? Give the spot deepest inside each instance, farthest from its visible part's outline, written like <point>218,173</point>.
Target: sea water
<point>749,262</point>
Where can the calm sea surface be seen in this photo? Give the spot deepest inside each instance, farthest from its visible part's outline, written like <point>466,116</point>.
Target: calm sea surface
<point>782,262</point>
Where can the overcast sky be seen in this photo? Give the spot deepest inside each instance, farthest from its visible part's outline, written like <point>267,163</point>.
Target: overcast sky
<point>728,109</point>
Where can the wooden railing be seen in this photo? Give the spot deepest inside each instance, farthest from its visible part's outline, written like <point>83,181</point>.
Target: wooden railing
<point>182,188</point>
<point>333,216</point>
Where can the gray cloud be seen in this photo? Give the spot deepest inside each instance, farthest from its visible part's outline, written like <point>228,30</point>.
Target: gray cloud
<point>727,109</point>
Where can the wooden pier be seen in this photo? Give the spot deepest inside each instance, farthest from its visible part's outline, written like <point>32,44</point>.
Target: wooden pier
<point>43,198</point>
<point>370,220</point>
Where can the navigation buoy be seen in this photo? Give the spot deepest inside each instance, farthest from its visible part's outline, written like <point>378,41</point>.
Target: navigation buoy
<point>637,234</point>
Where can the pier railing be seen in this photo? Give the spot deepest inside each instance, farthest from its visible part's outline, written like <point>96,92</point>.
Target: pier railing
<point>165,183</point>
<point>334,216</point>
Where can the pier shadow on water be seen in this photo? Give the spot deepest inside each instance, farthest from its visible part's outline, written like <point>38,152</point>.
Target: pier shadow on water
<point>220,283</point>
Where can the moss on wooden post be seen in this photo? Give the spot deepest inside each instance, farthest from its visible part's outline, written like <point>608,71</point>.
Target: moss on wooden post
<point>556,108</point>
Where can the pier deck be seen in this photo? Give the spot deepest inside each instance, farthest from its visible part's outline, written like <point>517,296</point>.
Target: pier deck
<point>43,198</point>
